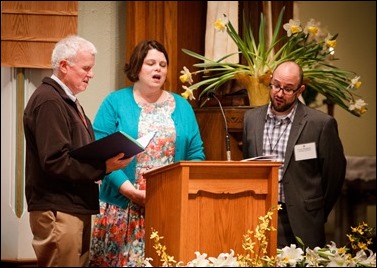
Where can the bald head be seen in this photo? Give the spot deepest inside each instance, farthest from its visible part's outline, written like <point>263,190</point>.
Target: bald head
<point>290,70</point>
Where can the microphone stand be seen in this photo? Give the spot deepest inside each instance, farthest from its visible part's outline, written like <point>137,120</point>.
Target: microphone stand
<point>227,140</point>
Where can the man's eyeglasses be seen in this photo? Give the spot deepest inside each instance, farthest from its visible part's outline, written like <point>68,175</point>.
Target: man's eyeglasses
<point>286,91</point>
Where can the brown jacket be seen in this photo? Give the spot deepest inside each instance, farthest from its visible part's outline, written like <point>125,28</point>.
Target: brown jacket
<point>54,180</point>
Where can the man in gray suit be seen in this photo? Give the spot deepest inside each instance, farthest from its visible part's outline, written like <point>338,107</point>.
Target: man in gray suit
<point>307,142</point>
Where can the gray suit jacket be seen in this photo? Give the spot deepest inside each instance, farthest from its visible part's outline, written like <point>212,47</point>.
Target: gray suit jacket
<point>312,186</point>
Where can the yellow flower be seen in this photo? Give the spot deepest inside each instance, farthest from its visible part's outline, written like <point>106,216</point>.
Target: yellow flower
<point>350,238</point>
<point>355,83</point>
<point>186,76</point>
<point>342,250</point>
<point>330,42</point>
<point>154,235</point>
<point>312,29</point>
<point>220,25</point>
<point>362,245</point>
<point>188,94</point>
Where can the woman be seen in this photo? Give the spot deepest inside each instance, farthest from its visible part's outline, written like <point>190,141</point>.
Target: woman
<point>118,232</point>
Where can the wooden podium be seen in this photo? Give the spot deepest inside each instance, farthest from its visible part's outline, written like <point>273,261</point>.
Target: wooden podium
<point>208,206</point>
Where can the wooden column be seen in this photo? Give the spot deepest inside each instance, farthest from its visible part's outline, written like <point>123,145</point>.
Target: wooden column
<point>176,24</point>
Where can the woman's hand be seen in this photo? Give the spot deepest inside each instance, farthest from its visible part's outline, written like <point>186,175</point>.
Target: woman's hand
<point>135,195</point>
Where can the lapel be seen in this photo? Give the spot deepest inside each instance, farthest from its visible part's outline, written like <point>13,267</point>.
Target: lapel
<point>260,121</point>
<point>298,125</point>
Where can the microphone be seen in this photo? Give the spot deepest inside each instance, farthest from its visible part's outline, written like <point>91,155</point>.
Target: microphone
<point>212,94</point>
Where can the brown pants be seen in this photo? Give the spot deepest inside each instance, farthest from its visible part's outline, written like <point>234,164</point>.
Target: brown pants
<point>60,239</point>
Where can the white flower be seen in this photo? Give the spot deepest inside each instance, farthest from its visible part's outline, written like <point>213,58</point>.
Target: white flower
<point>291,255</point>
<point>362,258</point>
<point>294,26</point>
<point>225,260</point>
<point>200,260</point>
<point>357,105</point>
<point>146,262</point>
<point>340,260</point>
<point>313,259</point>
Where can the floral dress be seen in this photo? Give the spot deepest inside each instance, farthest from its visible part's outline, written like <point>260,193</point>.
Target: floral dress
<point>118,234</point>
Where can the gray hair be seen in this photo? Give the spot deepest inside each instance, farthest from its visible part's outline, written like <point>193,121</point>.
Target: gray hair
<point>67,49</point>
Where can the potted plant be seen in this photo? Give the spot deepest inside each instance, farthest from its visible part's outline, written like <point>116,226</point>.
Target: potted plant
<point>309,46</point>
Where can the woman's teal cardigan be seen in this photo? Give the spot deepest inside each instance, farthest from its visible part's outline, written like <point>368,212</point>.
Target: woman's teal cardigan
<point>119,111</point>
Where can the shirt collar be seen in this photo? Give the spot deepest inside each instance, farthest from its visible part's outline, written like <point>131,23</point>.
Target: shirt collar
<point>64,87</point>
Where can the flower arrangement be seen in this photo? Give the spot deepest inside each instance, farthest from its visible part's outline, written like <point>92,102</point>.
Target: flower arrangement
<point>309,46</point>
<point>357,254</point>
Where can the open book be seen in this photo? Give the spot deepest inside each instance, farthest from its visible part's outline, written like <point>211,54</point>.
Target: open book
<point>109,146</point>
<point>271,157</point>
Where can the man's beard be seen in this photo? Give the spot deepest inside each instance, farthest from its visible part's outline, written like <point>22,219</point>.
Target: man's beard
<point>282,107</point>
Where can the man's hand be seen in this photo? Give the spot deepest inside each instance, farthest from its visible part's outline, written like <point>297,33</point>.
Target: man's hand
<point>117,162</point>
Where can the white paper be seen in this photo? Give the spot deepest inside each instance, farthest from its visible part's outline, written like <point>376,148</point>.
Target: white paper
<point>271,157</point>
<point>146,139</point>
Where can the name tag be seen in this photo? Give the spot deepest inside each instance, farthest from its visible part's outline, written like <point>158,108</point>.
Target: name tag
<point>305,151</point>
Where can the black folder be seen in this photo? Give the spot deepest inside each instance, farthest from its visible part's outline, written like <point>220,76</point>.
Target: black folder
<point>110,146</point>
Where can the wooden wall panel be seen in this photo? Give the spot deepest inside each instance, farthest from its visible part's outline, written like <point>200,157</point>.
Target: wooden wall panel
<point>24,27</point>
<point>24,54</point>
<point>30,30</point>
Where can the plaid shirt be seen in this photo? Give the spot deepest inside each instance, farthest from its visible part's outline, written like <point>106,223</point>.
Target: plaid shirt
<point>275,139</point>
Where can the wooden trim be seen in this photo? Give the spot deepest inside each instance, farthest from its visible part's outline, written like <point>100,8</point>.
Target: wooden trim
<point>40,7</point>
<point>26,54</point>
<point>19,183</point>
<point>42,12</point>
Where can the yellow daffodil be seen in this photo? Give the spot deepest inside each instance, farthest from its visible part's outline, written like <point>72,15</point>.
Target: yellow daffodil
<point>330,42</point>
<point>355,83</point>
<point>186,76</point>
<point>188,94</point>
<point>220,25</point>
<point>293,27</point>
<point>312,27</point>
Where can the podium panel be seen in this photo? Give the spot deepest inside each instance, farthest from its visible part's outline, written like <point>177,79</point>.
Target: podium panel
<point>208,206</point>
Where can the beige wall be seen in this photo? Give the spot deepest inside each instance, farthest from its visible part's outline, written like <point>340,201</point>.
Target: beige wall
<point>355,21</point>
<point>103,23</point>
